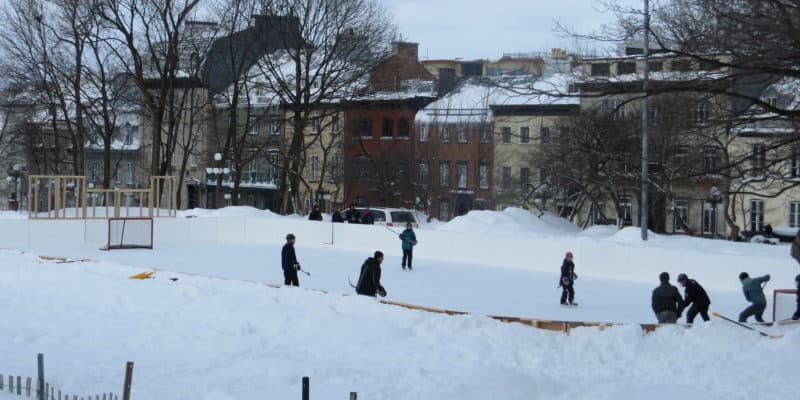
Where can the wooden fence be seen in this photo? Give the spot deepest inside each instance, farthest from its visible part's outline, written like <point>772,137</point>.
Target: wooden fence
<point>71,197</point>
<point>43,390</point>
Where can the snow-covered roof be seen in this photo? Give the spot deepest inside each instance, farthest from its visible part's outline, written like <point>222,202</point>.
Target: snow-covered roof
<point>757,121</point>
<point>471,101</point>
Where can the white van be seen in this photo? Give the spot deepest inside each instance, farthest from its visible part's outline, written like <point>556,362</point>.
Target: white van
<point>390,216</point>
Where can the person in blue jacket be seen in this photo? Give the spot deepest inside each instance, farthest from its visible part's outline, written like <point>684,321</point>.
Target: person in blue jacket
<point>754,293</point>
<point>409,239</point>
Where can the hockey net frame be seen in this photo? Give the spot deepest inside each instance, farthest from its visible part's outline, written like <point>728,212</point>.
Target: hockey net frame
<point>776,306</point>
<point>113,244</point>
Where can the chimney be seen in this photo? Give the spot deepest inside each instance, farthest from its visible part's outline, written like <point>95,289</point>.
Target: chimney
<point>406,50</point>
<point>447,80</point>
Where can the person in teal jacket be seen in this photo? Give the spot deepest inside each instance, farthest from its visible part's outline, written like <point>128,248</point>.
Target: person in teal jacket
<point>409,239</point>
<point>754,293</point>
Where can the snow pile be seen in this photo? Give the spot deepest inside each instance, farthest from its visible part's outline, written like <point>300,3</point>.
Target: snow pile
<point>511,221</point>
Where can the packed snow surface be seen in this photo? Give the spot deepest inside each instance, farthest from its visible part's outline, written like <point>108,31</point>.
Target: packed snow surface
<point>218,332</point>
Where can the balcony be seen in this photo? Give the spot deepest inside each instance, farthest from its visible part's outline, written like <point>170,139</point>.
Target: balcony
<point>250,179</point>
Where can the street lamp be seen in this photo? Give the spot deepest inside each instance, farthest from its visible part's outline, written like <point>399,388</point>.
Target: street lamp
<point>219,173</point>
<point>14,176</point>
<point>715,196</point>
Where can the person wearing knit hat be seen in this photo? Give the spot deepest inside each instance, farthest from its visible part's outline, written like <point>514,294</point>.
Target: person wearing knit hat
<point>695,295</point>
<point>754,293</point>
<point>567,281</point>
<point>289,262</point>
<point>666,301</point>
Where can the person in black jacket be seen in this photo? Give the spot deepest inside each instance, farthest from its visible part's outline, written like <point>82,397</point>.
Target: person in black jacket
<point>796,315</point>
<point>315,214</point>
<point>352,216</point>
<point>289,262</point>
<point>666,301</point>
<point>567,281</point>
<point>369,282</point>
<point>695,295</point>
<point>337,216</point>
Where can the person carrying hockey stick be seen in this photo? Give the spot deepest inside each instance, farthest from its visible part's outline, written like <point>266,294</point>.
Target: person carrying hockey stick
<point>695,295</point>
<point>567,281</point>
<point>409,239</point>
<point>289,262</point>
<point>369,282</point>
<point>754,293</point>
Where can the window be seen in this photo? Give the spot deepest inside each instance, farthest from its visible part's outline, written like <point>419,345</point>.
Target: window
<point>275,126</point>
<point>444,173</point>
<point>505,177</point>
<point>563,134</point>
<point>424,173</point>
<point>444,210</point>
<point>315,167</point>
<point>758,159</point>
<point>524,134</point>
<point>710,159</point>
<point>544,135</point>
<point>772,101</point>
<point>92,171</point>
<point>756,215</point>
<point>315,125</point>
<point>700,112</point>
<point>273,166</point>
<point>388,125</point>
<point>364,128</point>
<point>544,175</point>
<point>252,165</point>
<point>483,175</point>
<point>486,135</point>
<point>335,169</point>
<point>794,214</point>
<point>681,66</point>
<point>625,209</point>
<point>680,216</point>
<point>94,134</point>
<point>680,157</point>
<point>656,66</point>
<point>614,108</point>
<point>129,165</point>
<point>461,135</point>
<point>130,130</point>
<point>626,68</point>
<point>601,69</point>
<point>118,173</point>
<point>444,134</point>
<point>794,164</point>
<point>462,175</point>
<point>524,177</point>
<point>424,134</point>
<point>652,114</point>
<point>505,134</point>
<point>252,127</point>
<point>709,218</point>
<point>402,128</point>
<point>335,124</point>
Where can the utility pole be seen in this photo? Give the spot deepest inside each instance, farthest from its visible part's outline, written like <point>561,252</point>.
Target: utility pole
<point>645,118</point>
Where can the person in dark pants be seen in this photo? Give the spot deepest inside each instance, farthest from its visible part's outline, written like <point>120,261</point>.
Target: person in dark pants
<point>754,293</point>
<point>567,281</point>
<point>409,239</point>
<point>315,214</point>
<point>352,216</point>
<point>796,315</point>
<point>369,282</point>
<point>666,301</point>
<point>368,218</point>
<point>695,295</point>
<point>289,262</point>
<point>337,216</point>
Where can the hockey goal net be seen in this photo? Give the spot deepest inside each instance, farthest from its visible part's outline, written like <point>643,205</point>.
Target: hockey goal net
<point>784,304</point>
<point>130,233</point>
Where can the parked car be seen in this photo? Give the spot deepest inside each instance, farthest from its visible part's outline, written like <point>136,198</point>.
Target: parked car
<point>390,216</point>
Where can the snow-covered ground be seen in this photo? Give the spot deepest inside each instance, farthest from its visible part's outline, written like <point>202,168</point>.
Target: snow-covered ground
<point>218,332</point>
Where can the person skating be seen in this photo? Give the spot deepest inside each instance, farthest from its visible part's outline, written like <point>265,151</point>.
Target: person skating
<point>369,281</point>
<point>567,281</point>
<point>409,239</point>
<point>289,262</point>
<point>695,295</point>
<point>754,293</point>
<point>666,301</point>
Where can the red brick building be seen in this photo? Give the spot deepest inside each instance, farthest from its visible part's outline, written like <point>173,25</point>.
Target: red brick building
<point>379,160</point>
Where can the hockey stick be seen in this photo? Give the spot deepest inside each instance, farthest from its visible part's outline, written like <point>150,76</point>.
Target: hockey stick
<point>350,282</point>
<point>718,315</point>
<point>304,271</point>
<point>389,229</point>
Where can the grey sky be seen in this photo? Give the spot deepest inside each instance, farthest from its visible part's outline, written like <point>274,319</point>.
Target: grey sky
<point>472,29</point>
